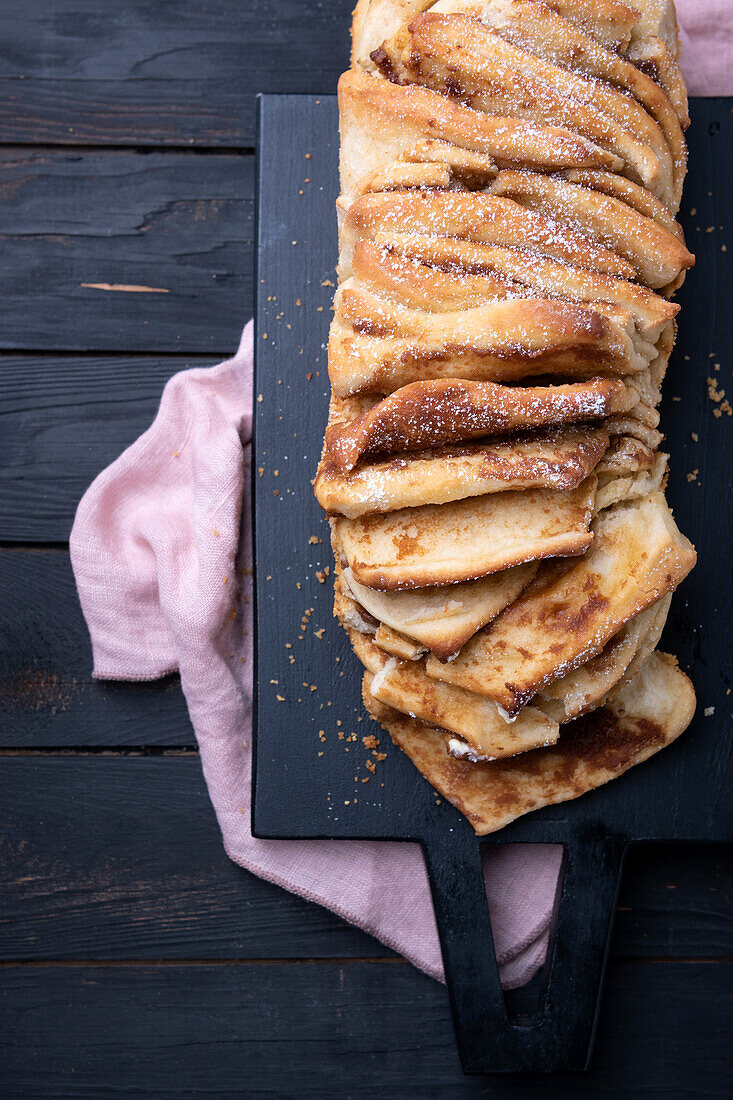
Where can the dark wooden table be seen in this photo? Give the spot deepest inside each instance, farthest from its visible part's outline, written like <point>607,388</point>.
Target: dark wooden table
<point>136,959</point>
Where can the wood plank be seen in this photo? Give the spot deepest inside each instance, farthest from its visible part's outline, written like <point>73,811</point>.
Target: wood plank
<point>141,73</point>
<point>315,1030</point>
<point>47,695</point>
<point>108,858</point>
<point>62,420</point>
<point>176,226</point>
<point>122,858</point>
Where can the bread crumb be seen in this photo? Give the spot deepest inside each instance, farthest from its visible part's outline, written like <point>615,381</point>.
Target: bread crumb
<point>709,711</point>
<point>714,391</point>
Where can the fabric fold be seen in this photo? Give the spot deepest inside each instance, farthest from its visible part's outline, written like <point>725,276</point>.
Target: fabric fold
<point>161,552</point>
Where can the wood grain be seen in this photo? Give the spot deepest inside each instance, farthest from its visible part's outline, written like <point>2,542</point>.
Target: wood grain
<point>47,695</point>
<point>160,74</point>
<point>121,858</point>
<point>62,420</point>
<point>313,1030</point>
<point>176,228</point>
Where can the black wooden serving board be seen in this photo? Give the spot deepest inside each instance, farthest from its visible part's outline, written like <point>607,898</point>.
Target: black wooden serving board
<point>308,783</point>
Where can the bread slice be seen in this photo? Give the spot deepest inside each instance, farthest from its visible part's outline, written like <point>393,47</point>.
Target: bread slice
<point>466,539</point>
<point>657,255</point>
<point>556,459</point>
<point>645,716</point>
<point>475,719</point>
<point>459,53</point>
<point>379,118</point>
<point>452,410</point>
<point>573,609</point>
<point>473,216</point>
<point>586,687</point>
<point>443,619</point>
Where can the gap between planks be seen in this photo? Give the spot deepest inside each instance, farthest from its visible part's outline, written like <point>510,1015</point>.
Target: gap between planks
<point>104,750</point>
<point>386,960</point>
<point>121,147</point>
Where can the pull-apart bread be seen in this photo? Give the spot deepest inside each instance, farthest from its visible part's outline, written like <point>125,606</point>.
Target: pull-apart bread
<point>511,172</point>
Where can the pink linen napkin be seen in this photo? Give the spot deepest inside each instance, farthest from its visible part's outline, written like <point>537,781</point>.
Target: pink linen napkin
<point>154,537</point>
<point>706,45</point>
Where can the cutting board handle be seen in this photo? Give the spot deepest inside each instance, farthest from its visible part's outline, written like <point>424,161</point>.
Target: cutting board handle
<point>562,1037</point>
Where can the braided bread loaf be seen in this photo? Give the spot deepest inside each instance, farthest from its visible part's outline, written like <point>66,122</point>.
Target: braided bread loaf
<point>510,175</point>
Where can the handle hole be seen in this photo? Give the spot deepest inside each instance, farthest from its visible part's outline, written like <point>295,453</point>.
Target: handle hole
<point>523,919</point>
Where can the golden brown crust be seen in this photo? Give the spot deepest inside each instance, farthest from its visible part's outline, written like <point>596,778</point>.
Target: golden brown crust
<point>555,459</point>
<point>465,539</point>
<point>430,414</point>
<point>373,110</point>
<point>459,56</point>
<point>404,686</point>
<point>572,610</point>
<point>479,217</point>
<point>648,714</point>
<point>658,256</point>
